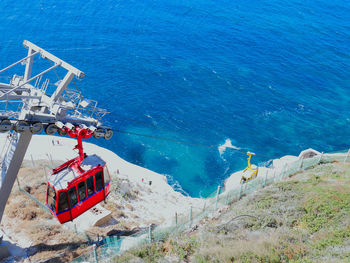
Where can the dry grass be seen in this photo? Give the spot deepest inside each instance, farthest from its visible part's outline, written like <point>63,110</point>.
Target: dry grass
<point>303,219</point>
<point>48,239</point>
<point>25,220</point>
<point>251,246</point>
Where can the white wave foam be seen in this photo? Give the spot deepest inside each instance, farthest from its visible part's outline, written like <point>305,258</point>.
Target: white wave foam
<point>175,185</point>
<point>267,164</point>
<point>227,144</point>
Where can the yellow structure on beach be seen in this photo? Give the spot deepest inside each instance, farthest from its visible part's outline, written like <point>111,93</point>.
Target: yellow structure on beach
<point>249,172</point>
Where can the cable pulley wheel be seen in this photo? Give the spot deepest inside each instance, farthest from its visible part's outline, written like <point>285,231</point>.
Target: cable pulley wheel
<point>62,132</point>
<point>51,129</point>
<point>21,126</point>
<point>36,127</point>
<point>108,134</point>
<point>98,133</point>
<point>5,126</point>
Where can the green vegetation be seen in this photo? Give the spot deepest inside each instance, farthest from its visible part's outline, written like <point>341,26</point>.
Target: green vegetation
<point>183,249</point>
<point>305,218</point>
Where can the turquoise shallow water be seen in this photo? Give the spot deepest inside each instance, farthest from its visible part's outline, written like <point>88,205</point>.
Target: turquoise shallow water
<point>271,76</point>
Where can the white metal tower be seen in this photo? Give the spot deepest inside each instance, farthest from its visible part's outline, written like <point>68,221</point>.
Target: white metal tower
<point>27,109</point>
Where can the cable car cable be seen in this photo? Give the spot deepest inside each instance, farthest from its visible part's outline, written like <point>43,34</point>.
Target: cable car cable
<point>169,139</point>
<point>181,141</point>
<point>162,138</point>
<point>136,121</point>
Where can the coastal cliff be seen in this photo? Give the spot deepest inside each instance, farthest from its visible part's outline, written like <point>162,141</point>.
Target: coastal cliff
<point>139,198</point>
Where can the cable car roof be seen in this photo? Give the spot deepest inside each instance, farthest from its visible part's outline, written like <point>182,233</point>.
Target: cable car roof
<point>61,179</point>
<point>91,161</point>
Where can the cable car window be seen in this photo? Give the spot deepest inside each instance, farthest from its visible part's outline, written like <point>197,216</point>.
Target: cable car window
<point>72,195</point>
<point>51,198</point>
<point>90,185</point>
<point>62,201</point>
<point>82,191</point>
<point>106,175</point>
<point>98,181</point>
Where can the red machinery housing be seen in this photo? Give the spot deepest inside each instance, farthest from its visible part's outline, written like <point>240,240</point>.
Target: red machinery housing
<point>78,184</point>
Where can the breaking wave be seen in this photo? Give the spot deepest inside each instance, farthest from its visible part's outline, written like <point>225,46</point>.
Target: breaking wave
<point>227,144</point>
<point>175,185</point>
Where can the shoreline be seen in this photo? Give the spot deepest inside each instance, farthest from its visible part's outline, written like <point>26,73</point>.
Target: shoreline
<point>139,197</point>
<point>58,149</point>
<point>155,192</point>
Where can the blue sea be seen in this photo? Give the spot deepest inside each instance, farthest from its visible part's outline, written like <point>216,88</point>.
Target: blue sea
<point>272,76</point>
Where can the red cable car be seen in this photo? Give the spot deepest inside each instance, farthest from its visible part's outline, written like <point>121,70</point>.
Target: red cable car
<point>78,184</point>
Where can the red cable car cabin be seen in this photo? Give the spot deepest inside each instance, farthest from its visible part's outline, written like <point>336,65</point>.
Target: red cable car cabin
<point>78,184</point>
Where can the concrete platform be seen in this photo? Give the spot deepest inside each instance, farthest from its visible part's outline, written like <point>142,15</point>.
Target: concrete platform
<point>95,216</point>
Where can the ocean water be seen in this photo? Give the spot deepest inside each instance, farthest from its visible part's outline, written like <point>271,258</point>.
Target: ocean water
<point>271,76</point>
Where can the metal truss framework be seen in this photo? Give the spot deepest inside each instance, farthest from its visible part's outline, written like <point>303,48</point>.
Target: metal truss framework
<point>35,110</point>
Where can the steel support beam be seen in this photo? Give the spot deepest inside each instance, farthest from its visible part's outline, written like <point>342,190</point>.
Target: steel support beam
<point>29,80</point>
<point>18,97</point>
<point>19,61</point>
<point>5,86</point>
<point>61,87</point>
<point>29,64</point>
<point>13,169</point>
<point>55,59</point>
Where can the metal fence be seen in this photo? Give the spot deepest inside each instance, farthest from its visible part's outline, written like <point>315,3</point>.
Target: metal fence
<point>109,247</point>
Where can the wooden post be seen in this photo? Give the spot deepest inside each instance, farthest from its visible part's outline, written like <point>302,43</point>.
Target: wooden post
<point>320,158</point>
<point>346,158</point>
<point>50,158</point>
<point>31,157</point>
<point>175,218</point>
<point>18,183</point>
<point>45,173</point>
<point>265,180</point>
<point>95,253</point>
<point>301,163</point>
<point>217,198</point>
<point>150,233</point>
<point>190,216</point>
<point>240,191</point>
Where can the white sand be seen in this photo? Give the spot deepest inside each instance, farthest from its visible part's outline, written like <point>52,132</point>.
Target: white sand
<point>158,202</point>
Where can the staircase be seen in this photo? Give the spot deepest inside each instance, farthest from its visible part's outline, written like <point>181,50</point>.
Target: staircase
<point>12,157</point>
<point>8,153</point>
